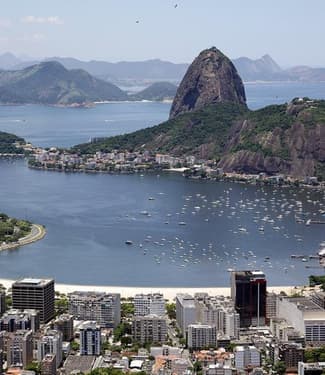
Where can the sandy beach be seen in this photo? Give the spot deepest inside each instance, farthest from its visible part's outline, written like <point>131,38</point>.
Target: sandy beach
<point>168,292</point>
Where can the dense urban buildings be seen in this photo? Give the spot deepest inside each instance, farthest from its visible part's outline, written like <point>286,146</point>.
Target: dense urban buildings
<point>37,294</point>
<point>13,320</point>
<point>50,343</point>
<point>19,348</point>
<point>49,365</point>
<point>206,332</point>
<point>104,308</point>
<point>248,291</point>
<point>64,324</point>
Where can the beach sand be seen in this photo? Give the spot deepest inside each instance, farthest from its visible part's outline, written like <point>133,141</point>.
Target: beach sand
<point>168,292</point>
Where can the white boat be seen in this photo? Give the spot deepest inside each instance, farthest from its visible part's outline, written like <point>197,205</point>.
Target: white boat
<point>128,242</point>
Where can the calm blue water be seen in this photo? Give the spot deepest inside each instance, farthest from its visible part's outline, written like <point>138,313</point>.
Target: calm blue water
<point>65,127</point>
<point>89,217</point>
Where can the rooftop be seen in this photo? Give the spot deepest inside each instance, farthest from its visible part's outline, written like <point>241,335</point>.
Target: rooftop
<point>305,303</point>
<point>33,282</point>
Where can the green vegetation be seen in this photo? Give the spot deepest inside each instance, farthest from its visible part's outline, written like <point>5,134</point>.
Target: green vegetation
<point>7,143</point>
<point>11,229</point>
<point>180,136</point>
<point>219,131</point>
<point>75,345</point>
<point>34,366</point>
<point>50,83</point>
<point>121,330</point>
<point>157,91</point>
<point>279,368</point>
<point>316,280</point>
<point>171,310</point>
<point>127,309</point>
<point>315,354</point>
<point>61,304</point>
<point>265,121</point>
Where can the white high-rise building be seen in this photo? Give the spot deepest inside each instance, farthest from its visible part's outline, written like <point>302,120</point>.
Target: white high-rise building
<point>90,339</point>
<point>50,343</point>
<point>185,311</point>
<point>149,304</point>
<point>218,311</point>
<point>104,308</point>
<point>247,356</point>
<point>201,336</point>
<point>150,328</point>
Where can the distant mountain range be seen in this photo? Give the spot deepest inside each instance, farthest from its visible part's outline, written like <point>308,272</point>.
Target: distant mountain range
<point>52,83</point>
<point>120,73</point>
<point>158,91</point>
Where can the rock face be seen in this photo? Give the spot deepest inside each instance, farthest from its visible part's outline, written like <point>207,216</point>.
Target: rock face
<point>211,78</point>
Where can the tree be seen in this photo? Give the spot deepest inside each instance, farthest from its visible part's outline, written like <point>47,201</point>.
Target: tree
<point>197,367</point>
<point>121,330</point>
<point>75,346</point>
<point>171,310</point>
<point>280,368</point>
<point>127,309</point>
<point>34,366</point>
<point>61,305</point>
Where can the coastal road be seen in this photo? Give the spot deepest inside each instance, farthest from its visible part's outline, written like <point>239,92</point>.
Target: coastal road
<point>37,233</point>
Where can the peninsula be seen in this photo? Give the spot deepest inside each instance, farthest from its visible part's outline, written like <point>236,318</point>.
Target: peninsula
<point>211,129</point>
<point>15,232</point>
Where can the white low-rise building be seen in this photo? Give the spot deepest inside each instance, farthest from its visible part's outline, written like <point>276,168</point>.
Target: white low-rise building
<point>305,316</point>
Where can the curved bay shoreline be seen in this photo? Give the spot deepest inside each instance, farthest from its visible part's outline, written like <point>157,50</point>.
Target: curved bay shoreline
<point>37,233</point>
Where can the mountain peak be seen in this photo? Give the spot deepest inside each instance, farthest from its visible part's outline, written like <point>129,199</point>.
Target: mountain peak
<point>211,78</point>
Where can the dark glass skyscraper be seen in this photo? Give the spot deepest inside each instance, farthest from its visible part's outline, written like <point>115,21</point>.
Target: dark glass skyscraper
<point>37,294</point>
<point>248,290</point>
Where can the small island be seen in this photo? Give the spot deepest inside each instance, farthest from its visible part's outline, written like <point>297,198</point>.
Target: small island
<point>15,232</point>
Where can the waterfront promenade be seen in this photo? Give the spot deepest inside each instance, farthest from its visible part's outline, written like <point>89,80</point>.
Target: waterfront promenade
<point>169,292</point>
<point>37,233</point>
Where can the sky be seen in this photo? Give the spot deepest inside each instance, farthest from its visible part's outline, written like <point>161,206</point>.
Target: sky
<point>291,31</point>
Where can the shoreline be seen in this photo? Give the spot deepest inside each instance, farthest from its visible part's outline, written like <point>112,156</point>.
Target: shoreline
<point>230,176</point>
<point>168,292</point>
<point>40,233</point>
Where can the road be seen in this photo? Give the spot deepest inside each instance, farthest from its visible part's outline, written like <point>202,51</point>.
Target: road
<point>37,233</point>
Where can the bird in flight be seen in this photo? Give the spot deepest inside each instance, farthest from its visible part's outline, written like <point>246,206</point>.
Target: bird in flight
<point>176,5</point>
<point>137,21</point>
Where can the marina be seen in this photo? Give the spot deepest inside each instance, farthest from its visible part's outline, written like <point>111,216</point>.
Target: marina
<point>212,227</point>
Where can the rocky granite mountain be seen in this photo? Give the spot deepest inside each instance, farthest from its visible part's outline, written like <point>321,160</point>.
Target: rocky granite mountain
<point>287,138</point>
<point>158,91</point>
<point>211,78</point>
<point>52,83</point>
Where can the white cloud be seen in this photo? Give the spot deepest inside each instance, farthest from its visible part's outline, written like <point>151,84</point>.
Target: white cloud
<point>5,23</point>
<point>53,20</point>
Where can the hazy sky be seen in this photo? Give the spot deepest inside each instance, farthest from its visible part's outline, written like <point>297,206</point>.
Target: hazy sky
<point>291,31</point>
